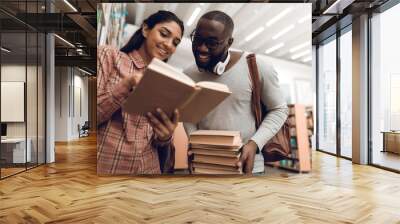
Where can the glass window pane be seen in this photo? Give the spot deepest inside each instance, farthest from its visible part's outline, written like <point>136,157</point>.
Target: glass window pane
<point>14,153</point>
<point>385,89</point>
<point>41,98</point>
<point>31,97</point>
<point>327,97</point>
<point>346,94</point>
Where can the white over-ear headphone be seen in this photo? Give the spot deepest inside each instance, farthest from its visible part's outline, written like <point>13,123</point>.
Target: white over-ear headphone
<point>220,66</point>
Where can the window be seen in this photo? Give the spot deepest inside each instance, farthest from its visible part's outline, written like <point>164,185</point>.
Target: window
<point>327,96</point>
<point>346,93</point>
<point>385,85</point>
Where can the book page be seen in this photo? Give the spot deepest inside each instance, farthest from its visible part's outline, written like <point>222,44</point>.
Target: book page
<point>168,70</point>
<point>216,132</point>
<point>159,88</point>
<point>214,86</point>
<point>204,102</point>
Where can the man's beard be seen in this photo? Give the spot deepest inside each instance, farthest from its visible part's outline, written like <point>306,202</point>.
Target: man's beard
<point>210,64</point>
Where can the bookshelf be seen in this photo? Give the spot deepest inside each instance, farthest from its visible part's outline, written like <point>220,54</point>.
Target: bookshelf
<point>111,23</point>
<point>310,122</point>
<point>300,158</point>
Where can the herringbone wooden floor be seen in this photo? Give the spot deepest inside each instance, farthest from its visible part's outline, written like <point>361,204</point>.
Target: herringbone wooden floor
<point>69,191</point>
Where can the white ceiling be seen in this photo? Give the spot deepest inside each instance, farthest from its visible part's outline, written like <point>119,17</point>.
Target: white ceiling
<point>247,18</point>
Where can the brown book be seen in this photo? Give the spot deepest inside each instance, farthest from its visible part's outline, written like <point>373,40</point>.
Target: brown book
<point>216,147</point>
<point>212,171</point>
<point>216,167</point>
<point>292,121</point>
<point>291,109</point>
<point>227,161</point>
<point>292,131</point>
<point>163,86</point>
<point>215,137</point>
<point>225,153</point>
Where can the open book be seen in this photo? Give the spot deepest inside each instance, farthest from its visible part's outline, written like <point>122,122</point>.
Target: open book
<point>163,86</point>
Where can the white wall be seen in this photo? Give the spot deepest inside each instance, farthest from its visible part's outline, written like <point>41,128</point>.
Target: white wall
<point>296,79</point>
<point>69,85</point>
<point>17,73</point>
<point>33,126</point>
<point>61,103</point>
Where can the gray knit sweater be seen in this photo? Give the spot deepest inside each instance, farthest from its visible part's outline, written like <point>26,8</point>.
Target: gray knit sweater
<point>235,112</point>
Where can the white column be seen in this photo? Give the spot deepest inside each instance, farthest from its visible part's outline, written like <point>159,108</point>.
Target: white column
<point>360,90</point>
<point>50,101</point>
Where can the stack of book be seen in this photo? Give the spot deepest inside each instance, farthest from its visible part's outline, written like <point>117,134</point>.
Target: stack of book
<point>215,152</point>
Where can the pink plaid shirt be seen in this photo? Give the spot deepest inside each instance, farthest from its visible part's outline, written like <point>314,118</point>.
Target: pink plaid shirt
<point>125,142</point>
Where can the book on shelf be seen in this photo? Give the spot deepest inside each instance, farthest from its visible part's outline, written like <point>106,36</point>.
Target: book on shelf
<point>291,109</point>
<point>163,86</point>
<point>300,157</point>
<point>293,142</point>
<point>292,131</point>
<point>216,138</point>
<point>292,121</point>
<point>310,124</point>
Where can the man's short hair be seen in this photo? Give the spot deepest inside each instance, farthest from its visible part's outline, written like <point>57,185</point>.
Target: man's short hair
<point>222,18</point>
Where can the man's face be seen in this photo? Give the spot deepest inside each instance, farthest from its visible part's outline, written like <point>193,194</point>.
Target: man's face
<point>209,43</point>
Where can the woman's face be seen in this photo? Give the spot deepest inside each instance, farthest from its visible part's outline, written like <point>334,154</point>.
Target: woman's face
<point>162,40</point>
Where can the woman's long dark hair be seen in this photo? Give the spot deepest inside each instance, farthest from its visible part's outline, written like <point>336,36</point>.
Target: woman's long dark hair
<point>161,16</point>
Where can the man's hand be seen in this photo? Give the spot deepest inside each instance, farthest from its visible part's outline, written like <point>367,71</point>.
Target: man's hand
<point>246,161</point>
<point>163,126</point>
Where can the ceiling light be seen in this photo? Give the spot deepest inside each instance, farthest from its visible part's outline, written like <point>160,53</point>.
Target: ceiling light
<point>65,41</point>
<point>305,18</point>
<point>255,33</point>
<point>196,12</point>
<point>331,7</point>
<point>307,59</point>
<point>5,49</point>
<point>278,17</point>
<point>298,47</point>
<point>70,5</point>
<point>274,48</point>
<point>86,72</point>
<point>301,54</point>
<point>282,32</point>
<point>338,6</point>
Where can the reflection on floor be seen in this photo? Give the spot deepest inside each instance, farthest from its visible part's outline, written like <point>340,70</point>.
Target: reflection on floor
<point>10,169</point>
<point>69,191</point>
<point>387,159</point>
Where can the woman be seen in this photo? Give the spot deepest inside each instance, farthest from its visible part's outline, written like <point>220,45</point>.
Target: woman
<point>128,143</point>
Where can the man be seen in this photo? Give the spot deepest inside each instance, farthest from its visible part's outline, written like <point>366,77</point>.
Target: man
<point>211,41</point>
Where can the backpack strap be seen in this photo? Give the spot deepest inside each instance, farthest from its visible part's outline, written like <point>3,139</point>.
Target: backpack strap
<point>255,89</point>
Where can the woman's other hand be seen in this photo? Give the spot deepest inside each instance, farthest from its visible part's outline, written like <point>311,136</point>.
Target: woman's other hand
<point>134,79</point>
<point>163,126</point>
